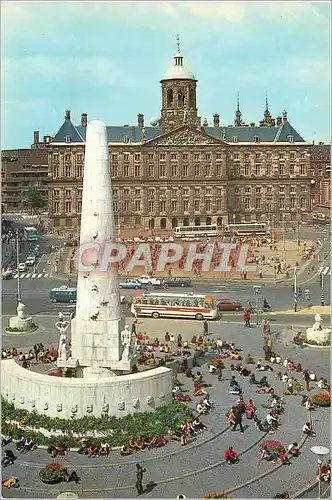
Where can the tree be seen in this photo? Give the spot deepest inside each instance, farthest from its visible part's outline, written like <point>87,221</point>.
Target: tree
<point>33,198</point>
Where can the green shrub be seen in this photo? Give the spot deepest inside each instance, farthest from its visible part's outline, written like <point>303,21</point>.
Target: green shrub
<point>116,431</point>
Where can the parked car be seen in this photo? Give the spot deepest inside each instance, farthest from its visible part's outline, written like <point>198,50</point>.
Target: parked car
<point>131,284</point>
<point>148,280</point>
<point>172,282</point>
<point>31,260</point>
<point>21,267</point>
<point>228,305</point>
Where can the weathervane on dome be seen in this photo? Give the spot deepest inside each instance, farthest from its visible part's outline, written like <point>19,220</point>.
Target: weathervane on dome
<point>178,42</point>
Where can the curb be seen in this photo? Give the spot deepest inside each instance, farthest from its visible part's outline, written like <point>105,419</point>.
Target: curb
<point>306,489</point>
<point>151,459</point>
<point>317,346</point>
<point>22,332</point>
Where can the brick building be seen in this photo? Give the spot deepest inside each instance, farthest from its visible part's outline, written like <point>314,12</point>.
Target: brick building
<point>21,168</point>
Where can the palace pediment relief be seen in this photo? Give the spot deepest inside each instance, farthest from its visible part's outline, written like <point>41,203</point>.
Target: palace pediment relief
<point>182,137</point>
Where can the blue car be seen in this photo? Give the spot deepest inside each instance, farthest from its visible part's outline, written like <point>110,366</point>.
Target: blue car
<point>131,284</point>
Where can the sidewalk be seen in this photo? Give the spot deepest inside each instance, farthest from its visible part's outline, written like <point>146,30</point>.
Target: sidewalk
<point>263,255</point>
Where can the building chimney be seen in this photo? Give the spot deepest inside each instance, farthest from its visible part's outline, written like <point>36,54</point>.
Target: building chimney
<point>284,116</point>
<point>67,114</point>
<point>36,137</point>
<point>84,119</point>
<point>140,120</point>
<point>279,121</point>
<point>216,120</point>
<point>252,124</point>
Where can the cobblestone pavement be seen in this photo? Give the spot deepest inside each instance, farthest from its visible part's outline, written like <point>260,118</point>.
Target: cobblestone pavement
<point>198,468</point>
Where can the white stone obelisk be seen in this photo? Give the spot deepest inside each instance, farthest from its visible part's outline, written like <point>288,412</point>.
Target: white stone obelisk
<point>95,338</point>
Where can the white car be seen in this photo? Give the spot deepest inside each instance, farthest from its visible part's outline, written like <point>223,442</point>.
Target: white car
<point>21,267</point>
<point>147,280</point>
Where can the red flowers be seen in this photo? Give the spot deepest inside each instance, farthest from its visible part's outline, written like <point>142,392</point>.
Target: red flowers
<point>321,399</point>
<point>272,446</point>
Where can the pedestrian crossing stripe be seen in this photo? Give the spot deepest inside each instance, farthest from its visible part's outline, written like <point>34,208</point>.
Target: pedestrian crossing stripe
<point>32,276</point>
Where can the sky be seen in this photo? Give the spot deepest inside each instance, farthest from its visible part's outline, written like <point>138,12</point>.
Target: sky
<point>106,59</point>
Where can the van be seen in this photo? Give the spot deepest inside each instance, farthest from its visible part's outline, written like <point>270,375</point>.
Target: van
<point>63,294</point>
<point>31,260</point>
<point>180,282</point>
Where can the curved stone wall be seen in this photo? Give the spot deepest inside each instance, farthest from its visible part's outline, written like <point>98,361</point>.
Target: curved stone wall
<point>319,336</point>
<point>67,397</point>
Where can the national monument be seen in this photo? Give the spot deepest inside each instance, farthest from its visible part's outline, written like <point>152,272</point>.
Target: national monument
<point>102,352</point>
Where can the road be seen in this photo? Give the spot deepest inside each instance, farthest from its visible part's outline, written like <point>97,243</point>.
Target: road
<point>35,294</point>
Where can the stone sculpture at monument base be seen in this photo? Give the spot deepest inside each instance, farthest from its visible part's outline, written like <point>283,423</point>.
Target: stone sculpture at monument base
<point>317,334</point>
<point>21,322</point>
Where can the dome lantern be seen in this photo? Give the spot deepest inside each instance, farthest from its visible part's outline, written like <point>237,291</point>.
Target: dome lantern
<point>178,70</point>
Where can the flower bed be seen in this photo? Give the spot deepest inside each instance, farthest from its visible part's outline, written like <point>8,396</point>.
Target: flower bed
<point>321,399</point>
<point>116,431</point>
<point>214,494</point>
<point>53,473</point>
<point>272,446</point>
<point>217,362</point>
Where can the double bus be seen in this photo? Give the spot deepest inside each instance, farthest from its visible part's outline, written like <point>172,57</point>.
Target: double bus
<point>63,294</point>
<point>196,231</point>
<point>30,233</point>
<point>164,305</point>
<point>248,229</point>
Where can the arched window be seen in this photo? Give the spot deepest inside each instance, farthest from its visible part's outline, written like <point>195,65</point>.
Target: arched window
<point>169,97</point>
<point>219,221</point>
<point>191,98</point>
<point>197,221</point>
<point>208,221</point>
<point>186,221</point>
<point>163,223</point>
<point>181,98</point>
<point>174,222</point>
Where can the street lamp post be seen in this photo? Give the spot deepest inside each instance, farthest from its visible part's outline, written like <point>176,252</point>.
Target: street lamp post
<point>284,238</point>
<point>322,297</point>
<point>273,241</point>
<point>256,288</point>
<point>18,272</point>
<point>320,451</point>
<point>295,289</point>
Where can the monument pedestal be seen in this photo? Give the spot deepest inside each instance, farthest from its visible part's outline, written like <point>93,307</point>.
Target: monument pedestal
<point>319,337</point>
<point>22,324</point>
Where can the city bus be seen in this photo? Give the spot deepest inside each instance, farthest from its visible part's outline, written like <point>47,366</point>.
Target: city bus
<point>164,305</point>
<point>30,234</point>
<point>196,231</point>
<point>63,294</point>
<point>248,229</point>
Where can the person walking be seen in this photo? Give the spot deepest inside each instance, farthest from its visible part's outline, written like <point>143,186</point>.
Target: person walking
<point>205,328</point>
<point>306,377</point>
<point>246,317</point>
<point>139,479</point>
<point>219,372</point>
<point>237,420</point>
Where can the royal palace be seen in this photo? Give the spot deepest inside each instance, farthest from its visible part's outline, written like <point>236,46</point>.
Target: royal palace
<point>178,170</point>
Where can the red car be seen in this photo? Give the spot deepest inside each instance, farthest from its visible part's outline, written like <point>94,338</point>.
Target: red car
<point>229,305</point>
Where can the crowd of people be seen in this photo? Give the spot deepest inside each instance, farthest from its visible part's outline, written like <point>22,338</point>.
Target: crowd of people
<point>245,366</point>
